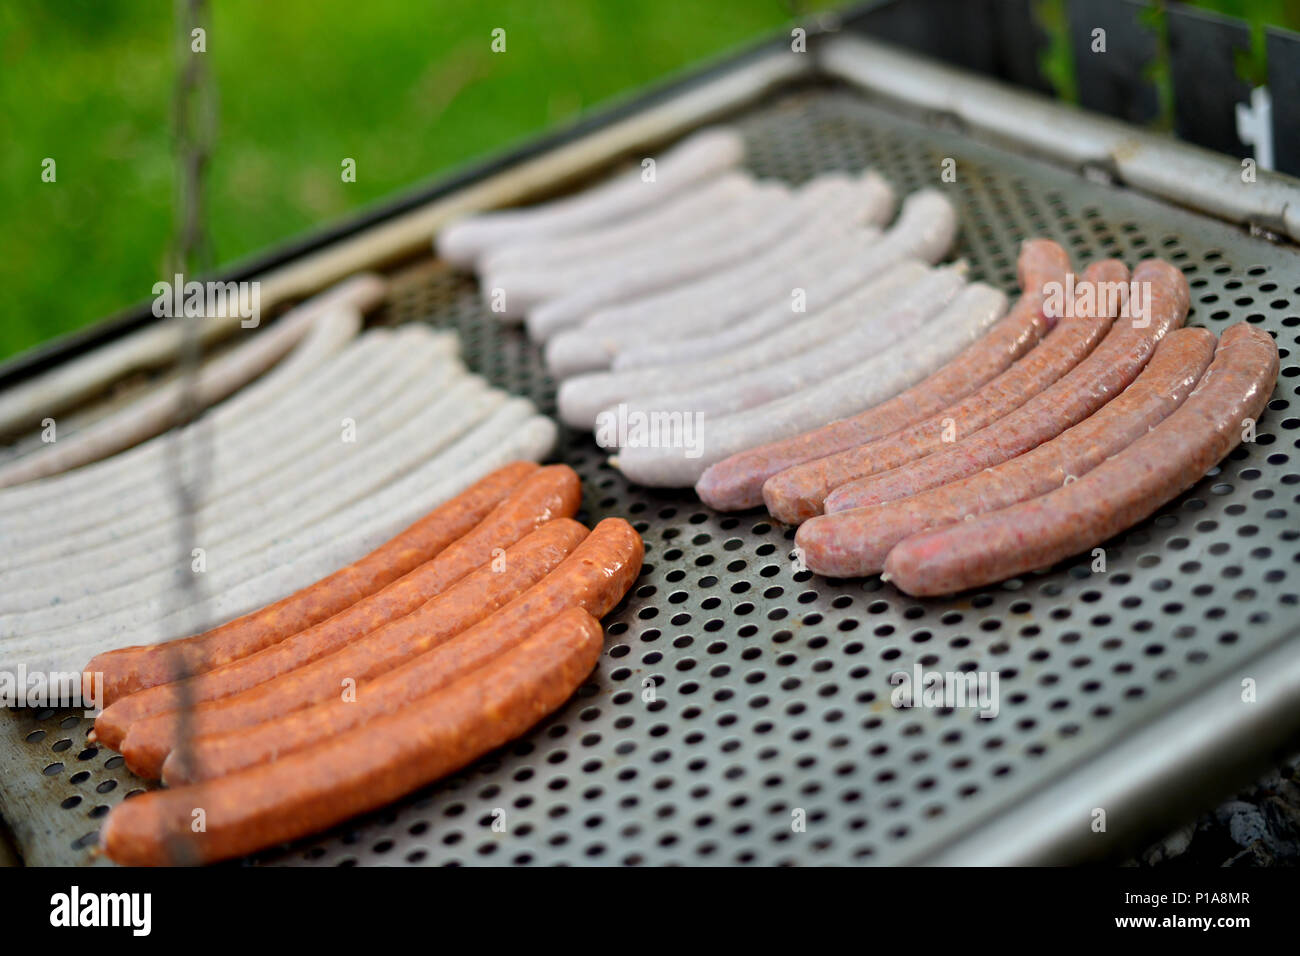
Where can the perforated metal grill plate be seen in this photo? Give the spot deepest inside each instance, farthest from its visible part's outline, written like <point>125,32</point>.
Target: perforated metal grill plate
<point>771,692</point>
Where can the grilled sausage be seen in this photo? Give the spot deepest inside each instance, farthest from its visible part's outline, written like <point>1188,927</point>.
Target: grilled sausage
<point>800,492</point>
<point>736,483</point>
<point>550,493</point>
<point>282,690</point>
<point>1115,495</point>
<point>130,669</point>
<point>365,768</point>
<point>696,158</point>
<point>595,587</point>
<point>1106,372</point>
<point>854,543</point>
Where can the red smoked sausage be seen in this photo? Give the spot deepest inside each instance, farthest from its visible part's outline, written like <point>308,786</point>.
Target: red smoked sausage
<point>129,669</point>
<point>365,768</point>
<point>1115,495</point>
<point>546,494</point>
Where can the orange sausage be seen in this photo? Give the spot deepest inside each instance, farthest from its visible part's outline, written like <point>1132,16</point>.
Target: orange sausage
<point>129,669</point>
<point>594,578</point>
<point>364,768</point>
<point>548,493</point>
<point>149,741</point>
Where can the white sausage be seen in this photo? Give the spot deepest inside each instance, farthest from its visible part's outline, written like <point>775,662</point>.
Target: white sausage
<point>455,400</point>
<point>156,412</point>
<point>522,292</point>
<point>62,387</point>
<point>650,273</point>
<point>581,398</point>
<point>926,226</point>
<point>678,214</point>
<point>669,351</point>
<point>827,241</point>
<point>868,322</point>
<point>261,443</point>
<point>696,300</point>
<point>696,158</point>
<point>323,347</point>
<point>513,433</point>
<point>244,478</point>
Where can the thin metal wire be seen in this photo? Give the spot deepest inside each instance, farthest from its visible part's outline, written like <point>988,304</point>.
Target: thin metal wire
<point>189,448</point>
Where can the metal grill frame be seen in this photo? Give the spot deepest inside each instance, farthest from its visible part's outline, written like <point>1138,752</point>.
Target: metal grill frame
<point>764,709</point>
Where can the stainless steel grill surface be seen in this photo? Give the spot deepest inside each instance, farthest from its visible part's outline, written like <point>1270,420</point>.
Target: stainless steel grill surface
<point>738,696</point>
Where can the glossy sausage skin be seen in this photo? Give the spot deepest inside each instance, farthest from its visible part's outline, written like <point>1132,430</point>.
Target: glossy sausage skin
<point>736,483</point>
<point>365,768</point>
<point>853,543</point>
<point>148,741</point>
<point>595,578</point>
<point>808,489</point>
<point>130,669</point>
<point>548,493</point>
<point>1115,495</point>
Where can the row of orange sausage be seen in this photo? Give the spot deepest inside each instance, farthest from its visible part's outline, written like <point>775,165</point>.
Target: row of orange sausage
<point>451,639</point>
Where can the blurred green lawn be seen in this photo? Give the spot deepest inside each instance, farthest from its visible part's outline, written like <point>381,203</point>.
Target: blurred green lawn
<point>407,88</point>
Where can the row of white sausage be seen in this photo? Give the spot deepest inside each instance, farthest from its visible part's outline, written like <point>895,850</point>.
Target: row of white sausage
<point>733,312</point>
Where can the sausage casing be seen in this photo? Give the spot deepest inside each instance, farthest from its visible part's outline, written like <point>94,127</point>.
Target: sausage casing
<point>364,768</point>
<point>1115,495</point>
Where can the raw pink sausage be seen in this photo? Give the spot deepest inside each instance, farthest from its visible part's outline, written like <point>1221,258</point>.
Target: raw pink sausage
<point>852,543</point>
<point>736,483</point>
<point>1115,495</point>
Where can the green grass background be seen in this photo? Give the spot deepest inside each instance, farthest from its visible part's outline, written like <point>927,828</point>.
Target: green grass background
<point>407,88</point>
